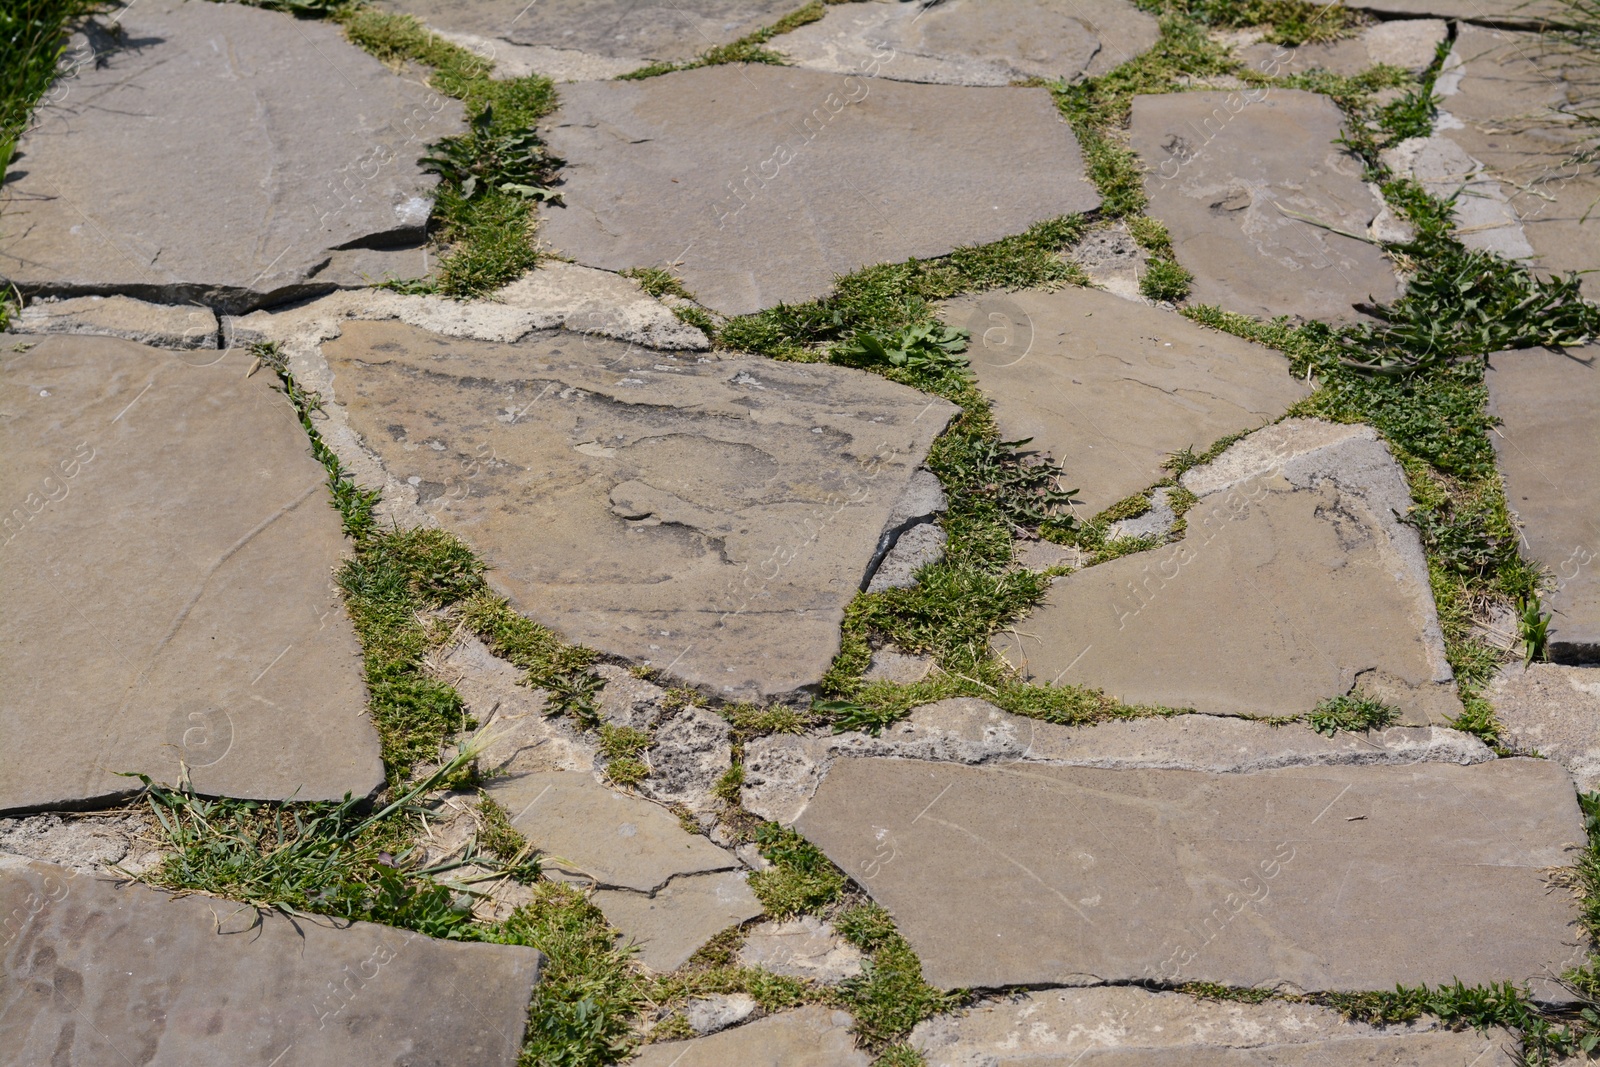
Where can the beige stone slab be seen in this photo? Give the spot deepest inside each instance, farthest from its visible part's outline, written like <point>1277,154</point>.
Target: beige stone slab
<point>1228,172</point>
<point>1552,710</point>
<point>809,1037</point>
<point>167,570</point>
<point>1111,388</point>
<point>1546,445</point>
<point>102,973</point>
<point>1495,12</point>
<point>682,915</point>
<point>160,325</point>
<point>709,517</point>
<point>1308,878</point>
<point>806,947</point>
<point>1409,44</point>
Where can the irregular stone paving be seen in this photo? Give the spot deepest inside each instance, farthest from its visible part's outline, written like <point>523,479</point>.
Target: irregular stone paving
<point>1554,711</point>
<point>102,973</point>
<point>1294,553</point>
<point>1305,878</point>
<point>790,186</point>
<point>1549,409</point>
<point>1493,12</point>
<point>1113,1026</point>
<point>167,578</point>
<point>809,1037</point>
<point>1111,388</point>
<point>708,516</point>
<point>805,947</point>
<point>973,42</point>
<point>221,154</point>
<point>1409,44</point>
<point>680,917</point>
<point>159,325</point>
<point>1235,175</point>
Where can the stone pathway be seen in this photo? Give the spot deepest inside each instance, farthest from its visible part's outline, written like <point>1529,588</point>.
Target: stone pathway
<point>684,651</point>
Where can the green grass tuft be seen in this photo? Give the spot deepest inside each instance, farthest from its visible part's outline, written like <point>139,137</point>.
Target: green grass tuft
<point>747,49</point>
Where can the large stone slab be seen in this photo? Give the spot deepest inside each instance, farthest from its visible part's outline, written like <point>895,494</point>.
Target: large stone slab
<point>967,42</point>
<point>161,325</point>
<point>1295,582</point>
<point>100,973</point>
<point>809,1037</point>
<point>1554,711</point>
<point>759,183</point>
<point>1494,12</point>
<point>710,517</point>
<point>1410,44</point>
<point>1326,878</point>
<point>1231,172</point>
<point>1099,1027</point>
<point>1549,436</point>
<point>680,917</point>
<point>167,575</point>
<point>1111,388</point>
<point>221,154</point>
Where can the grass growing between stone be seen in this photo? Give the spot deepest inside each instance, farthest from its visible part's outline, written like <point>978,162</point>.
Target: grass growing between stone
<point>33,39</point>
<point>747,49</point>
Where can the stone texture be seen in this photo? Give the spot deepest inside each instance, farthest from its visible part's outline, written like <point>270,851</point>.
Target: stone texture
<point>159,325</point>
<point>1295,582</point>
<point>1503,12</point>
<point>1484,215</point>
<point>1554,711</point>
<point>1309,878</point>
<point>522,735</point>
<point>806,947</point>
<point>612,839</point>
<point>1113,261</point>
<point>85,843</point>
<point>1106,1026</point>
<point>682,915</point>
<point>1409,44</point>
<point>1224,171</point>
<point>761,183</point>
<point>99,973</point>
<point>707,1015</point>
<point>709,517</point>
<point>689,753</point>
<point>221,154</point>
<point>913,549</point>
<point>166,571</point>
<point>973,42</point>
<point>1157,522</point>
<point>1549,409</point>
<point>892,665</point>
<point>1111,388</point>
<point>809,1037</point>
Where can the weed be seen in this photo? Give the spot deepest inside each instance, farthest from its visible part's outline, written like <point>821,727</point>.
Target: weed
<point>657,281</point>
<point>496,834</point>
<point>773,719</point>
<point>801,878</point>
<point>1292,22</point>
<point>1163,279</point>
<point>622,746</point>
<point>746,49</point>
<point>929,351</point>
<point>33,38</point>
<point>866,926</point>
<point>900,1056</point>
<point>1213,991</point>
<point>889,997</point>
<point>1534,625</point>
<point>1354,712</point>
<point>727,787</point>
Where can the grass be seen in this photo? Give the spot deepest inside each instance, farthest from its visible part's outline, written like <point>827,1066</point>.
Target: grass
<point>747,49</point>
<point>1355,713</point>
<point>33,38</point>
<point>1289,22</point>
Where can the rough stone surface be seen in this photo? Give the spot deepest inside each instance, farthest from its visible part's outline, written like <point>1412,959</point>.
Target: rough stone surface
<point>892,665</point>
<point>523,736</point>
<point>159,325</point>
<point>1111,388</point>
<point>167,575</point>
<point>690,752</point>
<point>810,1037</point>
<point>1107,1026</point>
<point>1157,522</point>
<point>1225,169</point>
<point>806,947</point>
<point>681,916</point>
<point>222,154</point>
<point>1409,44</point>
<point>913,549</point>
<point>973,42</point>
<point>709,517</point>
<point>627,700</point>
<point>612,839</point>
<point>1555,711</point>
<point>1113,261</point>
<point>1549,437</point>
<point>85,843</point>
<point>707,1015</point>
<point>788,187</point>
<point>1295,582</point>
<point>1309,878</point>
<point>1507,12</point>
<point>1484,216</point>
<point>100,973</point>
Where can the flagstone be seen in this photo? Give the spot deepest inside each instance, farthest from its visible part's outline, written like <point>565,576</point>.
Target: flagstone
<point>1410,44</point>
<point>809,1037</point>
<point>680,917</point>
<point>159,325</point>
<point>1554,711</point>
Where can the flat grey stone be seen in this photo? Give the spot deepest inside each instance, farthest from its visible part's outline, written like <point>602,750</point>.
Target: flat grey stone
<point>1294,582</point>
<point>224,155</point>
<point>1409,44</point>
<point>167,575</point>
<point>522,736</point>
<point>1308,879</point>
<point>806,947</point>
<point>914,549</point>
<point>1499,12</point>
<point>1484,216</point>
<point>761,183</point>
<point>711,517</point>
<point>1554,711</point>
<point>1042,555</point>
<point>892,665</point>
<point>682,915</point>
<point>1111,388</point>
<point>159,325</point>
<point>707,1015</point>
<point>102,973</point>
<point>808,1037</point>
<point>1223,170</point>
<point>922,501</point>
<point>612,839</point>
<point>1549,409</point>
<point>1122,1025</point>
<point>973,42</point>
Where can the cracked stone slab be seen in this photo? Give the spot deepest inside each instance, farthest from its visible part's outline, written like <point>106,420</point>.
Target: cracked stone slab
<point>1553,710</point>
<point>761,183</point>
<point>1225,169</point>
<point>167,572</point>
<point>707,1015</point>
<point>1111,388</point>
<point>98,972</point>
<point>682,915</point>
<point>521,733</point>
<point>1123,1025</point>
<point>613,839</point>
<point>708,516</point>
<point>1548,404</point>
<point>1409,44</point>
<point>1295,582</point>
<point>1301,879</point>
<point>158,325</point>
<point>805,947</point>
<point>967,42</point>
<point>921,545</point>
<point>130,181</point>
<point>809,1037</point>
<point>1499,12</point>
<point>902,668</point>
<point>782,772</point>
<point>687,755</point>
<point>1483,214</point>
